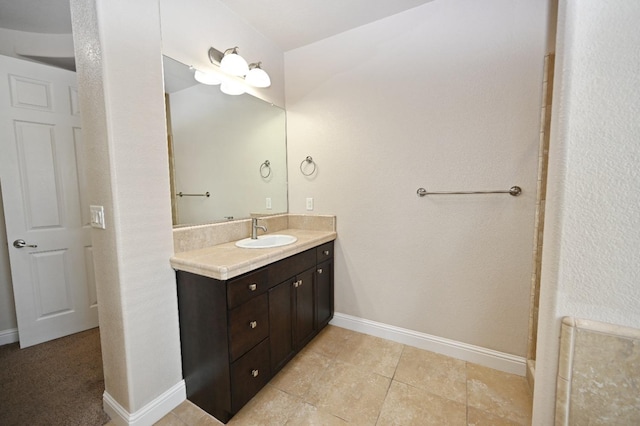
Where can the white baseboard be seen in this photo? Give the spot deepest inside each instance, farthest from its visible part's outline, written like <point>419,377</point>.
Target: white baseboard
<point>9,336</point>
<point>150,413</point>
<point>476,354</point>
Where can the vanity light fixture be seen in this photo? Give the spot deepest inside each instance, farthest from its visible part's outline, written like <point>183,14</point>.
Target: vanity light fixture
<point>206,78</point>
<point>234,64</point>
<point>257,77</point>
<point>232,88</point>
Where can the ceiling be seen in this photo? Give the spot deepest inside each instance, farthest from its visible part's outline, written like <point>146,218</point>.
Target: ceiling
<point>294,23</point>
<point>36,16</point>
<point>288,23</point>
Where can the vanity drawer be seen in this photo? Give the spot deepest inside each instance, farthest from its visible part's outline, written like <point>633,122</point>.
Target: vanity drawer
<point>248,325</point>
<point>324,252</point>
<point>241,289</point>
<point>249,374</point>
<point>291,266</point>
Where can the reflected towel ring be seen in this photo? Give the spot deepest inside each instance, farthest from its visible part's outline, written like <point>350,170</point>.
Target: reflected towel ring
<point>265,168</point>
<point>308,160</point>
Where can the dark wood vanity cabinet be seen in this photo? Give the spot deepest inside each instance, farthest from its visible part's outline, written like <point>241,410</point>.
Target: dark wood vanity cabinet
<point>324,284</point>
<point>236,334</point>
<point>291,317</point>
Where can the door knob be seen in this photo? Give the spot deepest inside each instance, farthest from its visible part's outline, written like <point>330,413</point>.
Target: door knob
<point>22,243</point>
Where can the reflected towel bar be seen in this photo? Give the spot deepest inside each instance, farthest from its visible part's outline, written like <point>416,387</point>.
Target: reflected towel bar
<point>182,194</point>
<point>514,190</point>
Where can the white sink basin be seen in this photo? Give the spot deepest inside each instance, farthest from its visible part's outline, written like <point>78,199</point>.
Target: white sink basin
<point>267,241</point>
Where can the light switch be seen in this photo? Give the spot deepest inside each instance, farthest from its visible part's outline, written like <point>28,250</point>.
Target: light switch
<point>309,203</point>
<point>268,203</point>
<point>97,216</point>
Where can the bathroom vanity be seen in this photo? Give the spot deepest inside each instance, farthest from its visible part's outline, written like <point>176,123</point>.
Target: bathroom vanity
<point>241,322</point>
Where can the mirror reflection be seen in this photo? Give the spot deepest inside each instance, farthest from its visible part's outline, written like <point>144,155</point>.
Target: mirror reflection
<point>231,147</point>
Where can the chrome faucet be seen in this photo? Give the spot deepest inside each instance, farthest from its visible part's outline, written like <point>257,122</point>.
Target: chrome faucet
<point>254,228</point>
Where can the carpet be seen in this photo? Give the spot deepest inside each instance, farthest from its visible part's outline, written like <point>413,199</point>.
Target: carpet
<point>54,383</point>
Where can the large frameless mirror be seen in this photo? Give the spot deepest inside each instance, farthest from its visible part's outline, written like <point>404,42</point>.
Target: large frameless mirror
<point>227,154</point>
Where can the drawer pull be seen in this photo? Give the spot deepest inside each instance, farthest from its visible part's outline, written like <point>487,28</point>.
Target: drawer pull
<point>253,324</point>
<point>253,287</point>
<point>326,252</point>
<point>254,373</point>
<point>319,270</point>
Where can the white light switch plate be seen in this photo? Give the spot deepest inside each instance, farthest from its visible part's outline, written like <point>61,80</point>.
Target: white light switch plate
<point>97,216</point>
<point>309,203</point>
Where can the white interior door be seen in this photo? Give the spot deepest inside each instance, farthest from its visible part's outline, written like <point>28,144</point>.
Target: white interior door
<point>41,174</point>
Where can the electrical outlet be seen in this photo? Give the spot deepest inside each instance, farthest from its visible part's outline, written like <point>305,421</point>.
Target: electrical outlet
<point>268,203</point>
<point>309,203</point>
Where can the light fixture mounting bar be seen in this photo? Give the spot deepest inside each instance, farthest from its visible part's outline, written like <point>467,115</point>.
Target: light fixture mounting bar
<point>215,56</point>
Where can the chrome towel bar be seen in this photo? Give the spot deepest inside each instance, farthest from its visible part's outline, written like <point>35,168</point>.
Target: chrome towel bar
<point>182,194</point>
<point>514,190</point>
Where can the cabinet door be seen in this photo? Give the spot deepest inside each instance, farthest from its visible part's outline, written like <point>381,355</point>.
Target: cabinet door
<point>304,308</point>
<point>324,293</point>
<point>280,324</point>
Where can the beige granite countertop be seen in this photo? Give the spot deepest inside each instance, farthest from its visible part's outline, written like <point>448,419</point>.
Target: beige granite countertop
<point>224,261</point>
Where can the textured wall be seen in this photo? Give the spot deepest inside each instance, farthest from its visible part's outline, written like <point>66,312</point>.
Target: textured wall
<point>592,228</point>
<point>444,96</point>
<point>120,87</point>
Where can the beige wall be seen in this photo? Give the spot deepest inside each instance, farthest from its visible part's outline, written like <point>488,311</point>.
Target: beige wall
<point>118,50</point>
<point>118,55</point>
<point>445,96</point>
<point>592,234</point>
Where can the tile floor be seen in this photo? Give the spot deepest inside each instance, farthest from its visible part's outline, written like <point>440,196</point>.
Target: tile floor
<point>344,377</point>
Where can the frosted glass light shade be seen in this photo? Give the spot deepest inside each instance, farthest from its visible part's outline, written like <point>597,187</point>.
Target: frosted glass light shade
<point>257,77</point>
<point>232,88</point>
<point>206,78</point>
<point>234,64</point>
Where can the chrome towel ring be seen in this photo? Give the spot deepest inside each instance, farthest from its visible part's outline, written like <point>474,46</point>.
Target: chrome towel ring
<point>265,169</point>
<point>308,160</point>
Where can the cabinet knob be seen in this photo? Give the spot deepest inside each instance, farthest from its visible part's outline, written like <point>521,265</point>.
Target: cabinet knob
<point>300,283</point>
<point>326,252</point>
<point>253,324</point>
<point>255,373</point>
<point>253,286</point>
<point>319,270</point>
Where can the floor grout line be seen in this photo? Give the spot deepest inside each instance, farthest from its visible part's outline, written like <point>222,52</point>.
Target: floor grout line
<point>423,386</point>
